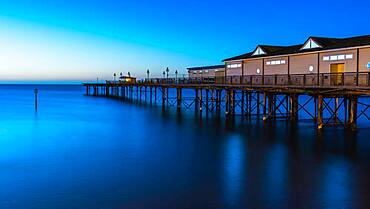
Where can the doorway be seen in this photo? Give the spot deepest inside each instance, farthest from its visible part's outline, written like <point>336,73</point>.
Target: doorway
<point>336,74</point>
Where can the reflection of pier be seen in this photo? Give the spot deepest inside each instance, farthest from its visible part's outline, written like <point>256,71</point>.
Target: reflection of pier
<point>269,97</point>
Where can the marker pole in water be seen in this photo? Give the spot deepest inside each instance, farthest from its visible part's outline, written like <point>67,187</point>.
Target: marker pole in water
<point>36,93</point>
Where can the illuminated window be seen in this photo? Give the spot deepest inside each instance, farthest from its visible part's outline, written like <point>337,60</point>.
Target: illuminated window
<point>349,56</point>
<point>195,72</point>
<point>258,71</point>
<point>276,62</point>
<point>310,68</point>
<point>310,44</point>
<point>234,65</point>
<point>338,57</point>
<point>258,51</point>
<point>206,71</point>
<point>334,57</point>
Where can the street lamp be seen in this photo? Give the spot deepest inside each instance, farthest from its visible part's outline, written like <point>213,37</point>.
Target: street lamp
<point>164,74</point>
<point>129,74</point>
<point>148,72</point>
<point>167,70</point>
<point>114,77</point>
<point>176,74</point>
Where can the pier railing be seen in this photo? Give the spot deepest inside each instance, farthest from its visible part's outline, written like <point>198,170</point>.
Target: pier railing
<point>322,79</point>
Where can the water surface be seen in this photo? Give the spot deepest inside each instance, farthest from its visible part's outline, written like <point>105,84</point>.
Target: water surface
<point>88,152</point>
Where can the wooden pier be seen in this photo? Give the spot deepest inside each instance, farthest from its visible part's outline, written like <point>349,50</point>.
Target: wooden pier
<point>325,103</point>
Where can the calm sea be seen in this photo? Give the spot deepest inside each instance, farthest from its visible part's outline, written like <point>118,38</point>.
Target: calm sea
<point>80,152</point>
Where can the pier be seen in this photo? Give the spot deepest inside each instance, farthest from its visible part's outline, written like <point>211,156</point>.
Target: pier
<point>267,98</point>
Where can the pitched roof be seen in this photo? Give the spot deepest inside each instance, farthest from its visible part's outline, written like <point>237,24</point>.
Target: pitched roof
<point>207,67</point>
<point>326,43</point>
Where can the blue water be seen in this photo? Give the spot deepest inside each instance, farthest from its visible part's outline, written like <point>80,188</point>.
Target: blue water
<point>88,152</point>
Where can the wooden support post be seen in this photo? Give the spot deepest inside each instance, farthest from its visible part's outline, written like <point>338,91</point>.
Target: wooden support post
<point>352,122</point>
<point>264,106</point>
<point>145,93</point>
<point>227,101</point>
<point>345,109</point>
<point>140,92</point>
<point>207,100</point>
<point>107,91</point>
<point>213,99</point>
<point>196,99</point>
<point>242,103</point>
<point>151,94</point>
<point>258,104</point>
<point>250,102</point>
<point>270,106</point>
<point>287,105</point>
<point>155,94</point>
<point>336,110</point>
<point>232,102</point>
<point>179,99</point>
<point>200,99</point>
<point>319,112</point>
<point>163,96</point>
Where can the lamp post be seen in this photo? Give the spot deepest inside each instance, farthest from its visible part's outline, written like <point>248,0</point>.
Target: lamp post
<point>176,75</point>
<point>114,77</point>
<point>167,71</point>
<point>129,74</point>
<point>164,74</point>
<point>148,72</point>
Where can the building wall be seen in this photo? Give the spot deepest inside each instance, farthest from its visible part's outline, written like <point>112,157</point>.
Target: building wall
<point>300,64</point>
<point>251,66</point>
<point>279,69</point>
<point>233,71</point>
<point>203,74</point>
<point>350,65</point>
<point>364,59</point>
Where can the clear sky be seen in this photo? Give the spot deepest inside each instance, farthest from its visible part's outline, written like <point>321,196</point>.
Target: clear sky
<point>80,40</point>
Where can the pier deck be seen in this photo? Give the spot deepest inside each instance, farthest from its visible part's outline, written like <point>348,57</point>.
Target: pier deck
<point>326,103</point>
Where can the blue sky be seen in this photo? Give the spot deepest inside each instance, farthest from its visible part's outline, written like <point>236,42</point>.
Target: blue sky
<point>80,40</point>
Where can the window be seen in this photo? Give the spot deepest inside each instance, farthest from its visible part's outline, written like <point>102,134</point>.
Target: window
<point>349,56</point>
<point>194,72</point>
<point>206,71</point>
<point>200,72</point>
<point>276,62</point>
<point>258,51</point>
<point>258,71</point>
<point>333,57</point>
<point>310,68</point>
<point>311,44</point>
<point>234,65</point>
<point>338,57</point>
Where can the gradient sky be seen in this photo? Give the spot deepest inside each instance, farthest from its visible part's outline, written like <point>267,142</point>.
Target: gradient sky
<point>80,40</point>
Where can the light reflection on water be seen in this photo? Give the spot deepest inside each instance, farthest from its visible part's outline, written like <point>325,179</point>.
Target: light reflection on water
<point>87,152</point>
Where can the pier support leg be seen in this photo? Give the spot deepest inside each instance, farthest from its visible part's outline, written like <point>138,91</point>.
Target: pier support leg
<point>200,100</point>
<point>319,112</point>
<point>352,121</point>
<point>242,103</point>
<point>179,98</point>
<point>207,100</point>
<point>259,105</point>
<point>264,106</point>
<point>227,102</point>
